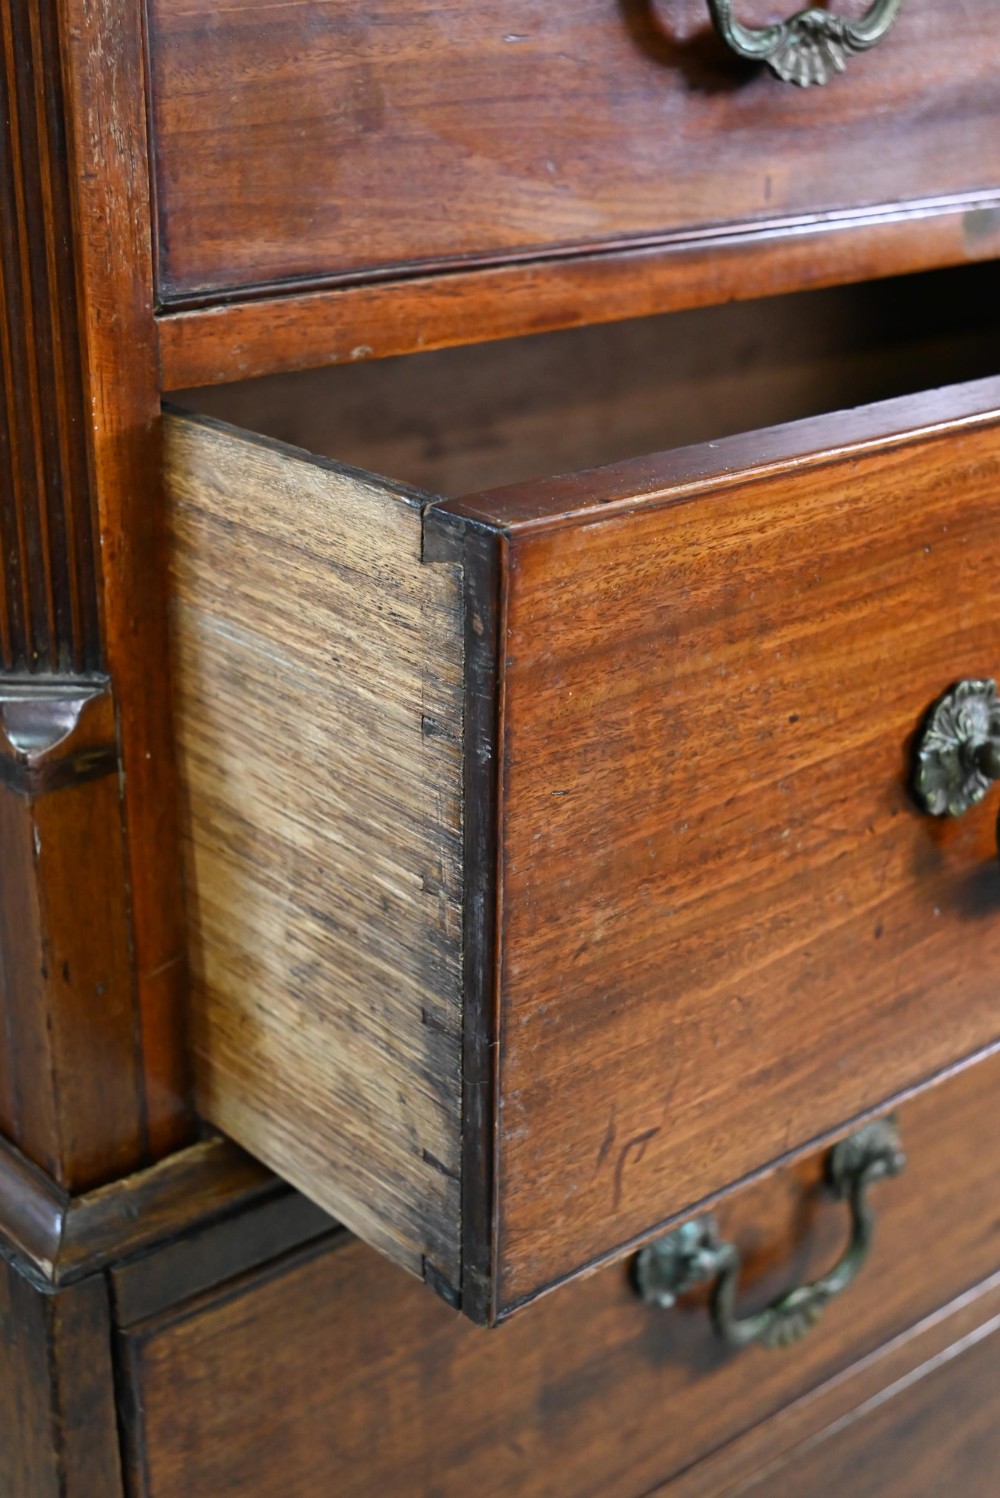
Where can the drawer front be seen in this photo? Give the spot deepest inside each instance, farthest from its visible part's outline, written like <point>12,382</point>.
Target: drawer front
<point>552,859</point>
<point>725,926</point>
<point>334,1373</point>
<point>933,1437</point>
<point>298,139</point>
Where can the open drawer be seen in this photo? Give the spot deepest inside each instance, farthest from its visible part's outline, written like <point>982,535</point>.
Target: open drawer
<point>553,863</point>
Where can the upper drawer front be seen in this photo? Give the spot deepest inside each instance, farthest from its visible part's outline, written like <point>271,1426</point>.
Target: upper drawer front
<point>311,138</point>
<point>551,854</point>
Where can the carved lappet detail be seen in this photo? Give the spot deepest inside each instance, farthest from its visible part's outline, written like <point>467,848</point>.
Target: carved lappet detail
<point>811,46</point>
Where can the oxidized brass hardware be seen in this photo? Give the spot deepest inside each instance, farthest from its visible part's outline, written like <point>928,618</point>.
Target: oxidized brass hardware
<point>695,1254</point>
<point>957,753</point>
<point>809,47</point>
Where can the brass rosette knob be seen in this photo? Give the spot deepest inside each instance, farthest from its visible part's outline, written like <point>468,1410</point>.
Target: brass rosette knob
<point>957,751</point>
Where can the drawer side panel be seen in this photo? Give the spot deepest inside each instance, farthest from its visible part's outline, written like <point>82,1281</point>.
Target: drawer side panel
<point>319,722</point>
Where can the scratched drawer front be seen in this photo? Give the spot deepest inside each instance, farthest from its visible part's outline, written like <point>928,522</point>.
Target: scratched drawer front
<point>337,1374</point>
<point>297,139</point>
<point>552,859</point>
<point>724,926</point>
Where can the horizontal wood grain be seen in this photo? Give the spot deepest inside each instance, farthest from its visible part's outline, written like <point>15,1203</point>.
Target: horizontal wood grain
<point>299,329</point>
<point>385,1390</point>
<point>320,741</point>
<point>294,139</point>
<point>211,1248</point>
<point>684,473</point>
<point>710,683</point>
<point>901,1361</point>
<point>932,1434</point>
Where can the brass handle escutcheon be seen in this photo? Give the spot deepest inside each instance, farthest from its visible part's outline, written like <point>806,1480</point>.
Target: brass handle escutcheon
<point>957,751</point>
<point>694,1254</point>
<point>809,47</point>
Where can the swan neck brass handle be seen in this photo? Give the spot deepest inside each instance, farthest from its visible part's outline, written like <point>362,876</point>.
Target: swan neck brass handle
<point>694,1254</point>
<point>810,46</point>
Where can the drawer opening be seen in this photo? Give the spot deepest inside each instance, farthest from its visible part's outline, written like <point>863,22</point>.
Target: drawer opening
<point>552,864</point>
<point>464,419</point>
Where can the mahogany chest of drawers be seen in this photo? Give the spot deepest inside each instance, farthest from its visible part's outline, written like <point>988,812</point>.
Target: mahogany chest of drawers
<point>559,871</point>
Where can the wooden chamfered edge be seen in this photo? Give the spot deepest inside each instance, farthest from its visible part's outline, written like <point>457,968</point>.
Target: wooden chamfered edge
<point>479,530</point>
<point>682,473</point>
<point>57,1239</point>
<point>303,325</point>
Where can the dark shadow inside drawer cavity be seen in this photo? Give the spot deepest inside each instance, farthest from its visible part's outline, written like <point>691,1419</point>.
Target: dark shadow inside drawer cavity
<point>470,418</point>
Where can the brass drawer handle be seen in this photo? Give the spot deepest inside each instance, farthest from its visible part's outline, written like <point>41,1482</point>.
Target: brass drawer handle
<point>957,752</point>
<point>694,1254</point>
<point>809,47</point>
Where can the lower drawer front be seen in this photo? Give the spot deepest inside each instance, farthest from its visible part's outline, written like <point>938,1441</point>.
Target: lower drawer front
<point>934,1437</point>
<point>332,1373</point>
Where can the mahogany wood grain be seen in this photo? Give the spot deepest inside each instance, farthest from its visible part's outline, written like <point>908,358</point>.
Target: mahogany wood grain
<point>77,362</point>
<point>960,1322</point>
<point>70,1085</point>
<point>206,1181</point>
<point>58,1239</point>
<point>213,1248</point>
<point>709,683</point>
<point>349,324</point>
<point>374,1387</point>
<point>101,61</point>
<point>932,1435</point>
<point>321,741</point>
<point>57,1405</point>
<point>298,139</point>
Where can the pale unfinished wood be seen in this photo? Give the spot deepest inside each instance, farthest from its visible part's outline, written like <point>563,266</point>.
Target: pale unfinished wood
<point>319,715</point>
